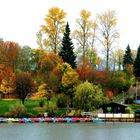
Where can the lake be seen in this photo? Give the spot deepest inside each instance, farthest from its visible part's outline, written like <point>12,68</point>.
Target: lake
<point>70,131</point>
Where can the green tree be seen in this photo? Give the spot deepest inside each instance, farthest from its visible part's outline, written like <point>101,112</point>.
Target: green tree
<point>25,59</point>
<point>117,81</point>
<point>137,64</point>
<point>88,97</point>
<point>66,51</point>
<point>23,86</point>
<point>127,59</point>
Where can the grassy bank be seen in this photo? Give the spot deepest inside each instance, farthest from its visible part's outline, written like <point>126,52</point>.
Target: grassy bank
<point>32,107</point>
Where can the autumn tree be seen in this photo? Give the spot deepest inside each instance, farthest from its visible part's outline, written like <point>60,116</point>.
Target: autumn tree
<point>9,52</point>
<point>7,78</point>
<point>41,92</point>
<point>116,59</point>
<point>69,80</point>
<point>137,64</point>
<point>23,86</point>
<point>39,39</point>
<point>92,52</point>
<point>48,61</point>
<point>108,33</point>
<point>53,28</point>
<point>83,31</point>
<point>66,51</point>
<point>119,55</point>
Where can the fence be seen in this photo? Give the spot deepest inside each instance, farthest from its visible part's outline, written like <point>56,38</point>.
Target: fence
<point>110,115</point>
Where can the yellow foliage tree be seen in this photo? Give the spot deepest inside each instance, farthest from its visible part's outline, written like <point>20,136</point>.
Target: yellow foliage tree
<point>107,22</point>
<point>41,93</point>
<point>70,78</point>
<point>54,27</point>
<point>85,33</point>
<point>6,87</point>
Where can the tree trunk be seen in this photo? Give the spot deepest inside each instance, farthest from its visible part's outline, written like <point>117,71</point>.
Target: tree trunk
<point>23,100</point>
<point>107,60</point>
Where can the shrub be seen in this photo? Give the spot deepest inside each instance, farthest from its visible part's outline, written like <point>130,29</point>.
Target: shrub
<point>128,110</point>
<point>17,110</point>
<point>61,102</point>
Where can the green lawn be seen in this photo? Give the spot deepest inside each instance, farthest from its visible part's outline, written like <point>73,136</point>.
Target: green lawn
<point>31,105</point>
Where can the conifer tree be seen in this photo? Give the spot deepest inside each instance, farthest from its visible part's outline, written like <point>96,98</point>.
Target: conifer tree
<point>66,51</point>
<point>137,64</point>
<point>127,59</point>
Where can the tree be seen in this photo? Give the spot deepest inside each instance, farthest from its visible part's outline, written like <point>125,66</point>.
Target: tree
<point>23,86</point>
<point>137,64</point>
<point>116,59</point>
<point>120,54</point>
<point>83,32</point>
<point>69,81</point>
<point>7,86</point>
<point>48,61</point>
<point>108,34</point>
<point>88,97</point>
<point>117,81</point>
<point>66,51</point>
<point>25,62</point>
<point>85,72</point>
<point>127,59</point>
<point>54,28</point>
<point>39,39</point>
<point>9,52</point>
<point>41,92</point>
<point>70,78</point>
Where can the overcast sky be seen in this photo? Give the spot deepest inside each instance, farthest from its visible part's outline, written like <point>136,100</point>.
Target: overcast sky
<point>21,19</point>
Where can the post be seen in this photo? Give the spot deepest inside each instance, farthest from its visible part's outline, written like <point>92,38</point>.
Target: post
<point>136,88</point>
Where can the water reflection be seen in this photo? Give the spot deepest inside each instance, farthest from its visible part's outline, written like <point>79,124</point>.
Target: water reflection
<point>65,131</point>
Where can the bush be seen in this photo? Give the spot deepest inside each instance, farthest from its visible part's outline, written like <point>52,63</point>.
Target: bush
<point>128,110</point>
<point>61,102</point>
<point>17,110</point>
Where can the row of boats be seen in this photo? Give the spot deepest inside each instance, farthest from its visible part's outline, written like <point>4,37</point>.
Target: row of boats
<point>50,120</point>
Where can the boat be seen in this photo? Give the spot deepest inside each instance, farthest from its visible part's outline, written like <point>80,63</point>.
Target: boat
<point>97,120</point>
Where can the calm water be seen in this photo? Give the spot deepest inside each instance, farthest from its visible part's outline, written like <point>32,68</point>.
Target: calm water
<point>77,131</point>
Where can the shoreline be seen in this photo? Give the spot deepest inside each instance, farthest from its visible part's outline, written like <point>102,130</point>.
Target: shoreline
<point>66,120</point>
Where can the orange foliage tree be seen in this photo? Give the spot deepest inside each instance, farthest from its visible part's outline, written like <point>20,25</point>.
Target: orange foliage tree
<point>9,52</point>
<point>7,78</point>
<point>84,69</point>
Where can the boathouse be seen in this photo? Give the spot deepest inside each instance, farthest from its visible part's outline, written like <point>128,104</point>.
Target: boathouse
<point>114,108</point>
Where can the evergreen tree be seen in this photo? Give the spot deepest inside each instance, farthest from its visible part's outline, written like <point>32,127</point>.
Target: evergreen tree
<point>127,59</point>
<point>137,64</point>
<point>66,51</point>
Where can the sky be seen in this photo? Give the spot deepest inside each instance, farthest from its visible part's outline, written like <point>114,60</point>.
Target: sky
<point>20,20</point>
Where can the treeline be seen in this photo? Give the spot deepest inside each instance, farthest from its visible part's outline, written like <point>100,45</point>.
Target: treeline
<point>75,76</point>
